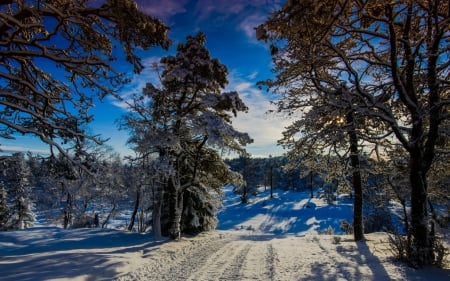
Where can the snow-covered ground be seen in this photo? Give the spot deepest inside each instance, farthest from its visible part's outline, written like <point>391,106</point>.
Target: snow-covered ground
<point>268,239</point>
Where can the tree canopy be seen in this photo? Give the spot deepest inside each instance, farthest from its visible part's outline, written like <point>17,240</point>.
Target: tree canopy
<point>184,123</point>
<point>56,58</point>
<point>389,59</point>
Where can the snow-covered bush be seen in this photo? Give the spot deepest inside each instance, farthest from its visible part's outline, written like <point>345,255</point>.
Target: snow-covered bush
<point>346,227</point>
<point>200,210</point>
<point>404,250</point>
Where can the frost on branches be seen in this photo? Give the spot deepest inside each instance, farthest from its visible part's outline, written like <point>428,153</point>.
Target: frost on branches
<point>16,206</point>
<point>390,60</point>
<point>183,124</point>
<point>56,59</point>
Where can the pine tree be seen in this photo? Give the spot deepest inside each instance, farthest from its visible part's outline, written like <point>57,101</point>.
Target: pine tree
<point>4,209</point>
<point>181,121</point>
<point>19,193</point>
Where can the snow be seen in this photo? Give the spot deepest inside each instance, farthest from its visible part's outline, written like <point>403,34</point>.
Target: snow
<point>286,213</point>
<point>279,238</point>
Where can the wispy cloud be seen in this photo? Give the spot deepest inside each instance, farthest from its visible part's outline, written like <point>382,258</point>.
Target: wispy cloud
<point>249,14</point>
<point>249,23</point>
<point>246,15</point>
<point>264,128</point>
<point>205,8</point>
<point>138,82</point>
<point>7,149</point>
<point>252,75</point>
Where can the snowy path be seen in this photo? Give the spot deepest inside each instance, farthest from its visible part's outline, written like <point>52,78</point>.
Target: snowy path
<point>266,240</point>
<point>212,257</point>
<point>228,256</point>
<point>84,255</point>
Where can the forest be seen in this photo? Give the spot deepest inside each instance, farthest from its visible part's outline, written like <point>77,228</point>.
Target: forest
<point>367,81</point>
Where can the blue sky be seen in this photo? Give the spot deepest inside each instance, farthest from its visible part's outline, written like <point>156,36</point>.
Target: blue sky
<point>229,27</point>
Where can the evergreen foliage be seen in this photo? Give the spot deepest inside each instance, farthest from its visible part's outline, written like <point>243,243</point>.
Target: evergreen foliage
<point>182,123</point>
<point>4,208</point>
<point>16,198</point>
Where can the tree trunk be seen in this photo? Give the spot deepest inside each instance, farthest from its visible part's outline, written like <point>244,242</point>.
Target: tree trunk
<point>109,215</point>
<point>68,211</point>
<point>135,210</point>
<point>422,244</point>
<point>156,218</point>
<point>271,180</point>
<point>157,210</point>
<point>174,209</point>
<point>358,227</point>
<point>180,211</point>
<point>244,194</point>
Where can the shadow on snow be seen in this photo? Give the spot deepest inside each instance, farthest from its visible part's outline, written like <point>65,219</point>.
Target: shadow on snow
<point>285,213</point>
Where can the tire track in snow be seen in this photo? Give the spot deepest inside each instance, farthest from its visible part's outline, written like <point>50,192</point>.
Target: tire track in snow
<point>179,263</point>
<point>271,258</point>
<point>226,257</point>
<point>259,264</point>
<point>225,264</point>
<point>211,258</point>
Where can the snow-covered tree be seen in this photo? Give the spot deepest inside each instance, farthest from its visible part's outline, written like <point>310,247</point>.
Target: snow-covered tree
<point>113,186</point>
<point>17,191</point>
<point>75,181</point>
<point>244,166</point>
<point>4,209</point>
<point>57,55</point>
<point>328,126</point>
<point>182,121</point>
<point>392,59</point>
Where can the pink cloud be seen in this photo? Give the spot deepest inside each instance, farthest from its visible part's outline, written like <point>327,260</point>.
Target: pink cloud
<point>225,7</point>
<point>247,14</point>
<point>163,9</point>
<point>232,7</point>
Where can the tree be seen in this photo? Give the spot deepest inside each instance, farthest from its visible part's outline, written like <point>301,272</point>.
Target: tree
<point>4,210</point>
<point>74,181</point>
<point>392,57</point>
<point>182,123</point>
<point>256,173</point>
<point>329,126</point>
<point>16,195</point>
<point>76,38</point>
<point>246,168</point>
<point>113,185</point>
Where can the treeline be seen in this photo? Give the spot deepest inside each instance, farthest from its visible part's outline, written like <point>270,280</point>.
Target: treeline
<point>271,171</point>
<point>94,192</point>
<point>385,201</point>
<point>102,187</point>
